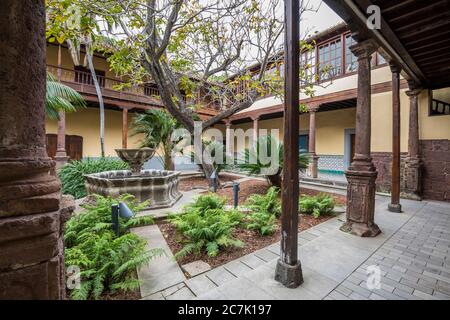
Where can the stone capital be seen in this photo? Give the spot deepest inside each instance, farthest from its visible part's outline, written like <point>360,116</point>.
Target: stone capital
<point>364,49</point>
<point>256,117</point>
<point>313,107</point>
<point>228,122</point>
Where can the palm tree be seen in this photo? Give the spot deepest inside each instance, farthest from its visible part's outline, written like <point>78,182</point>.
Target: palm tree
<point>60,97</point>
<point>254,163</point>
<point>157,127</point>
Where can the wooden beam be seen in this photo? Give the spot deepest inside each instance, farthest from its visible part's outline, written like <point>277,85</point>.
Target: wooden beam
<point>288,270</point>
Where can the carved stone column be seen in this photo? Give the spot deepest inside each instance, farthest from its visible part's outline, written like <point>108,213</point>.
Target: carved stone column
<point>395,205</point>
<point>412,181</point>
<point>255,129</point>
<point>32,213</point>
<point>312,140</point>
<point>361,174</point>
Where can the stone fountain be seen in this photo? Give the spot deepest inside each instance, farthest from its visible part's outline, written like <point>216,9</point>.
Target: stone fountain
<point>160,187</point>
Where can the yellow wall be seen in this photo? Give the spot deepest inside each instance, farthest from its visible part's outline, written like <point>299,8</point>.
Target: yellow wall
<point>435,127</point>
<point>381,135</point>
<point>330,128</point>
<point>86,123</point>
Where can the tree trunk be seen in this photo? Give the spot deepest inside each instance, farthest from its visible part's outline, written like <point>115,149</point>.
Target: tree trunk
<point>168,163</point>
<point>275,180</point>
<point>100,101</point>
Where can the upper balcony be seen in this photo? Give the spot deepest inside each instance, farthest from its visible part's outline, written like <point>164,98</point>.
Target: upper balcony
<point>116,93</point>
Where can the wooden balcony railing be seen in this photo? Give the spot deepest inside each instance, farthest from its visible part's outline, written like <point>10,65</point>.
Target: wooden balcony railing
<point>82,82</point>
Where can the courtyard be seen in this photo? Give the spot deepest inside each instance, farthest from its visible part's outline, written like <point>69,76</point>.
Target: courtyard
<point>223,150</point>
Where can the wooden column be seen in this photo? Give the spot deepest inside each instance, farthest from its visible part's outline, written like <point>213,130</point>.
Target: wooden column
<point>32,212</point>
<point>312,140</point>
<point>61,157</point>
<point>124,128</point>
<point>255,129</point>
<point>288,269</point>
<point>395,205</point>
<point>413,164</point>
<point>361,174</point>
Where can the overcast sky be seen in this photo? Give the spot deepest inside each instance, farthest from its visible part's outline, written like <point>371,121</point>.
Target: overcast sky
<point>320,20</point>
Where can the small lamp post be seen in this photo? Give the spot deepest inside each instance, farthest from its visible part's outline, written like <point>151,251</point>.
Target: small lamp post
<point>121,210</point>
<point>236,188</point>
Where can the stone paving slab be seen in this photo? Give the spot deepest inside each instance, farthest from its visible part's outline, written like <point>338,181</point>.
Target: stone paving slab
<point>161,272</point>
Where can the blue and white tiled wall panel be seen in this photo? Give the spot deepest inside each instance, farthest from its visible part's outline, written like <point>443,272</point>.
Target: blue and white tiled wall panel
<point>331,163</point>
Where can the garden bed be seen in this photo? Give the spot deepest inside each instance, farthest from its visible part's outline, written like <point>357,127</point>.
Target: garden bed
<point>253,240</point>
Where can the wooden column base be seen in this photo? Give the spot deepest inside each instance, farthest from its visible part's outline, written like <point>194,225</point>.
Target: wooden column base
<point>361,204</point>
<point>289,276</point>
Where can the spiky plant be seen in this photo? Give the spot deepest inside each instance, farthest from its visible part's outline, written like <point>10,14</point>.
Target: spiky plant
<point>156,127</point>
<point>271,165</point>
<point>60,97</point>
<point>72,174</point>
<point>107,262</point>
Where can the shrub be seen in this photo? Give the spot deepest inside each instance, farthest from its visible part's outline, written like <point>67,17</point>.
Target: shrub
<point>319,205</point>
<point>107,262</point>
<point>71,174</point>
<point>265,209</point>
<point>263,222</point>
<point>205,224</point>
<point>269,202</point>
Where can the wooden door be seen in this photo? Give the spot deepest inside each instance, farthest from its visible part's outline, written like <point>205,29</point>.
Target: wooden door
<point>51,142</point>
<point>74,146</point>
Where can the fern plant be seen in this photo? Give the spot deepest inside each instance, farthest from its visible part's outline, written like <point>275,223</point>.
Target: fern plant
<point>205,224</point>
<point>264,211</point>
<point>107,262</point>
<point>319,205</point>
<point>72,174</point>
<point>269,202</point>
<point>262,222</point>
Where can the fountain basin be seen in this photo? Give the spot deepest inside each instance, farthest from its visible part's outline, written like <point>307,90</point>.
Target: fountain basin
<point>160,187</point>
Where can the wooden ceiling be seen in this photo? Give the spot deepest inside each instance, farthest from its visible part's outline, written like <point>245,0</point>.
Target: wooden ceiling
<point>417,30</point>
<point>423,27</point>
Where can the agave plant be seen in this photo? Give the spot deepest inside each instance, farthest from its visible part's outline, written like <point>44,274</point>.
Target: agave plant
<point>60,97</point>
<point>256,163</point>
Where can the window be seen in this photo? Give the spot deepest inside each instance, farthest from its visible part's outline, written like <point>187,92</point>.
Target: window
<point>308,63</point>
<point>330,59</point>
<point>351,62</point>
